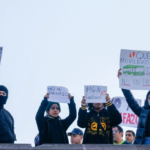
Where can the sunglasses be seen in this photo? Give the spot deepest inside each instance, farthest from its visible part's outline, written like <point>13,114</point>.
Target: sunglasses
<point>115,131</point>
<point>57,108</point>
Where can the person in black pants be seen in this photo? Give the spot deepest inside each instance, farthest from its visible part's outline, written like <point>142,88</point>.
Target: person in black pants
<point>7,134</point>
<point>143,129</point>
<point>98,122</point>
<point>52,129</point>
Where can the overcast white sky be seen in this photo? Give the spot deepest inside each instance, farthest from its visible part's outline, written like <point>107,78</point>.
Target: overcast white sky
<point>68,43</point>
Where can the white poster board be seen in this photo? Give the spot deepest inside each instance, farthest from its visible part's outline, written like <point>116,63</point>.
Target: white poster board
<point>95,93</point>
<point>129,119</point>
<point>135,68</point>
<point>1,50</point>
<point>58,94</point>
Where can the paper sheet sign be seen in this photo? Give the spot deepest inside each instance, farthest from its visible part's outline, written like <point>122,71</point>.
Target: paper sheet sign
<point>129,119</point>
<point>1,49</point>
<point>58,94</point>
<point>135,68</point>
<point>95,93</point>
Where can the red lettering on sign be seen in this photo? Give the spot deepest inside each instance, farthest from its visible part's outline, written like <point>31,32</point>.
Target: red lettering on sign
<point>129,118</point>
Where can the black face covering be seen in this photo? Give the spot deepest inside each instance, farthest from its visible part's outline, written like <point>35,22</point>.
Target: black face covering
<point>3,99</point>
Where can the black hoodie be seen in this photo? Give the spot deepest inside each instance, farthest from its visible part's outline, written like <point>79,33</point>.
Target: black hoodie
<point>138,111</point>
<point>96,133</point>
<point>53,130</point>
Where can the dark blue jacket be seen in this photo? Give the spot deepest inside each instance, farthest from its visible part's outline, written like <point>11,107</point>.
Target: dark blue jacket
<point>7,134</point>
<point>53,130</point>
<point>143,129</point>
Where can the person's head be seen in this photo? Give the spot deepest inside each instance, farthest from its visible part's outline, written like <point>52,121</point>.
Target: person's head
<point>76,136</point>
<point>53,109</point>
<point>117,134</point>
<point>95,106</point>
<point>147,102</point>
<point>130,136</point>
<point>3,95</point>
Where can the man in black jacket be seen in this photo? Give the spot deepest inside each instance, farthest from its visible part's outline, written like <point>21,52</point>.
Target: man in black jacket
<point>143,129</point>
<point>51,128</point>
<point>7,134</point>
<point>98,121</point>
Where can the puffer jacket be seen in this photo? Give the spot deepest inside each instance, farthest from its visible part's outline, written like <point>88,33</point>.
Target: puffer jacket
<point>7,134</point>
<point>143,129</point>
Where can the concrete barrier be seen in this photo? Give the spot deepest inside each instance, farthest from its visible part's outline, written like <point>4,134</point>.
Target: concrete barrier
<point>73,147</point>
<point>15,146</point>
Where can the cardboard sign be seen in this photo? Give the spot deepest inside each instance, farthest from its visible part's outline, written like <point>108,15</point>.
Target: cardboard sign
<point>129,119</point>
<point>58,94</point>
<point>135,68</point>
<point>95,93</point>
<point>1,50</point>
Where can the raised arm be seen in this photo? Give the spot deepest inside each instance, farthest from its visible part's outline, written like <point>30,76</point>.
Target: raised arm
<point>40,114</point>
<point>82,115</point>
<point>72,114</point>
<point>130,99</point>
<point>115,115</point>
<point>132,102</point>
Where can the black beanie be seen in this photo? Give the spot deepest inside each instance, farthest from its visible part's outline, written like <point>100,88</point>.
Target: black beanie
<point>50,104</point>
<point>4,99</point>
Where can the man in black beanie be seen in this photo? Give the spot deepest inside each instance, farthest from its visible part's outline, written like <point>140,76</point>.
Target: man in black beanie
<point>7,134</point>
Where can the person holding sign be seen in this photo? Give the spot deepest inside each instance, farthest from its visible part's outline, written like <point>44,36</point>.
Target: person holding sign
<point>143,129</point>
<point>98,122</point>
<point>52,129</point>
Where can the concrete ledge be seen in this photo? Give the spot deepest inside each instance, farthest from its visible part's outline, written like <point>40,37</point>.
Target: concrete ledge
<point>15,146</point>
<point>73,147</point>
<point>92,147</point>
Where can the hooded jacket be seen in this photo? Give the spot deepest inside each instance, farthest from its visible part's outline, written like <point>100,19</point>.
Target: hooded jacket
<point>7,134</point>
<point>98,126</point>
<point>143,129</point>
<point>53,130</point>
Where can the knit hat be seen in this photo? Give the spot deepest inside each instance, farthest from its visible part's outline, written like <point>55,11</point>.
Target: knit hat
<point>50,104</point>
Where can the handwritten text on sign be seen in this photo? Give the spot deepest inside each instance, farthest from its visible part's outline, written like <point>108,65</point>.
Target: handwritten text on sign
<point>129,119</point>
<point>95,94</point>
<point>135,68</point>
<point>58,94</point>
<point>1,49</point>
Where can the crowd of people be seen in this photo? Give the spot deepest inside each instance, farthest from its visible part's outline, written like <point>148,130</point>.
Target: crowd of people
<point>100,121</point>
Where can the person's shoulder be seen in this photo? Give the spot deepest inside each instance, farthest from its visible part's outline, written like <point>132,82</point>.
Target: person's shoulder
<point>126,142</point>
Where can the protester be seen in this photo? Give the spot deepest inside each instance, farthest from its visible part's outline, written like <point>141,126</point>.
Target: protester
<point>76,136</point>
<point>143,129</point>
<point>130,136</point>
<point>51,128</point>
<point>98,121</point>
<point>7,134</point>
<point>117,136</point>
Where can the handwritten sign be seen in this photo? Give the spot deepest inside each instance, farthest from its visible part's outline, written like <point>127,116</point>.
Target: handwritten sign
<point>58,94</point>
<point>135,68</point>
<point>1,49</point>
<point>95,93</point>
<point>129,119</point>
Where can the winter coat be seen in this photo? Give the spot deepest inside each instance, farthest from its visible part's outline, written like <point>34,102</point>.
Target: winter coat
<point>99,133</point>
<point>7,134</point>
<point>53,130</point>
<point>143,129</point>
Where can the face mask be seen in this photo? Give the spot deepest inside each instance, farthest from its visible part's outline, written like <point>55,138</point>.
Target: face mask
<point>3,100</point>
<point>149,102</point>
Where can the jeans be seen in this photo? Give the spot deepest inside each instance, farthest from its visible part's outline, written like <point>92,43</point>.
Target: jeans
<point>147,141</point>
